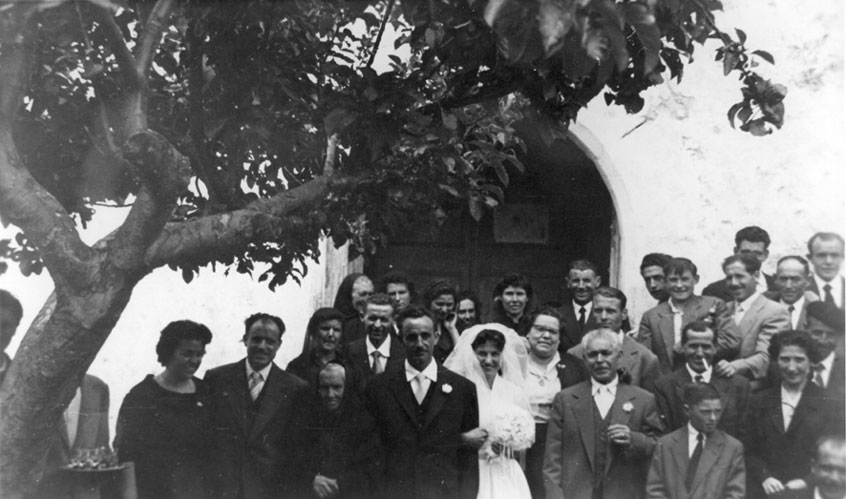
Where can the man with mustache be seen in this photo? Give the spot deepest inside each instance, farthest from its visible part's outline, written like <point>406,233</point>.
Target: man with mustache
<point>253,410</point>
<point>425,415</point>
<point>601,432</point>
<point>699,345</point>
<point>753,242</point>
<point>698,461</point>
<point>757,318</point>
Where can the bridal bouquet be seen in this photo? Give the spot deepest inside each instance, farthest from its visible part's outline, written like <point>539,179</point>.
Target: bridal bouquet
<point>512,429</point>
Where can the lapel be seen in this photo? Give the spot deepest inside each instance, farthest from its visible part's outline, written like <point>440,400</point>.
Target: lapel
<point>360,353</point>
<point>437,399</point>
<point>629,359</point>
<point>237,394</point>
<point>667,335</point>
<point>710,454</point>
<point>618,415</point>
<point>402,391</point>
<point>682,378</point>
<point>583,410</point>
<point>776,416</point>
<point>678,448</point>
<point>806,406</point>
<point>749,317</point>
<point>271,399</point>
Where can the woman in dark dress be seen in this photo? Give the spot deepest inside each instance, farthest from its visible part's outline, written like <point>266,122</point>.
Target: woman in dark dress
<point>512,298</point>
<point>323,337</point>
<point>164,421</point>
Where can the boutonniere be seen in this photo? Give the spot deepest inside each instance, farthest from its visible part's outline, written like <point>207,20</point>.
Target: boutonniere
<point>199,404</point>
<point>446,388</point>
<point>561,365</point>
<point>627,407</point>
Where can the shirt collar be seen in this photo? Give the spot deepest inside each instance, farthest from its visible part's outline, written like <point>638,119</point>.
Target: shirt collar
<point>745,304</point>
<point>828,361</point>
<point>797,305</point>
<point>384,349</point>
<point>597,387</point>
<point>691,436</point>
<point>790,398</point>
<point>431,371</point>
<point>834,283</point>
<point>673,308</point>
<point>706,374</point>
<point>541,370</point>
<point>588,307</point>
<point>264,372</point>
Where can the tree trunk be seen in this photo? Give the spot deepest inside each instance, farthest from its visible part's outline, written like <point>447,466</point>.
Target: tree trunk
<point>54,355</point>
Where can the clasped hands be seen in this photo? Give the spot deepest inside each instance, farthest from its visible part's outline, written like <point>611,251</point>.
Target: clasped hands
<point>324,486</point>
<point>620,434</point>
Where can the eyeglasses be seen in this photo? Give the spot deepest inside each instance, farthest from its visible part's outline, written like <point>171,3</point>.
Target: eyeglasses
<point>544,329</point>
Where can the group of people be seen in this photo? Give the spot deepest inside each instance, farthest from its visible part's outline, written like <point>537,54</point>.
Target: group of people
<point>738,392</point>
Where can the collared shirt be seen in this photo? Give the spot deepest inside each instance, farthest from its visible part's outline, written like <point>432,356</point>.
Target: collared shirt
<point>706,374</point>
<point>603,395</point>
<point>741,307</point>
<point>797,311</point>
<point>430,372</point>
<point>836,289</point>
<point>384,350</point>
<point>789,401</point>
<point>71,416</point>
<point>692,433</point>
<point>264,372</point>
<point>762,283</point>
<point>541,385</point>
<point>587,306</point>
<point>825,372</point>
<point>678,315</point>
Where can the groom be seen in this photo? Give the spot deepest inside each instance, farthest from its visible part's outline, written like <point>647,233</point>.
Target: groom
<point>421,410</point>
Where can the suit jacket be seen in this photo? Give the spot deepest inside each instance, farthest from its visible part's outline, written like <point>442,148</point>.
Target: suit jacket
<point>734,392</point>
<point>813,288</point>
<point>92,432</point>
<point>785,455</point>
<point>424,457</point>
<point>571,333</point>
<point>571,371</point>
<point>721,473</point>
<point>252,459</point>
<point>719,289</point>
<point>763,319</point>
<point>358,361</point>
<point>568,466</point>
<point>636,359</point>
<point>658,334</point>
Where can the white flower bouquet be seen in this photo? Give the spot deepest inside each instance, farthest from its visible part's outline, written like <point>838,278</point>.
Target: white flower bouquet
<point>511,429</point>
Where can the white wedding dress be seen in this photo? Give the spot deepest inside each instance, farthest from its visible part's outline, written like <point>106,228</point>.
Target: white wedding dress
<point>500,477</point>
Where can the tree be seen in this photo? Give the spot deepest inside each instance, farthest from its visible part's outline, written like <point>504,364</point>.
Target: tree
<point>240,132</point>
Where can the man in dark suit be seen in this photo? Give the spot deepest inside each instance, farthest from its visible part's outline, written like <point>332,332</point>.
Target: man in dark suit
<point>639,366</point>
<point>601,432</point>
<point>10,317</point>
<point>793,276</point>
<point>84,425</point>
<point>582,279</point>
<point>661,326</point>
<point>652,271</point>
<point>757,318</point>
<point>379,350</point>
<point>423,412</point>
<point>825,251</point>
<point>698,461</point>
<point>826,324</point>
<point>699,346</point>
<point>253,408</point>
<point>753,242</point>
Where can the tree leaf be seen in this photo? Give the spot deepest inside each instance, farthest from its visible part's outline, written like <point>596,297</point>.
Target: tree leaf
<point>555,19</point>
<point>764,55</point>
<point>501,172</point>
<point>338,119</point>
<point>475,206</point>
<point>187,275</point>
<point>492,10</point>
<point>741,35</point>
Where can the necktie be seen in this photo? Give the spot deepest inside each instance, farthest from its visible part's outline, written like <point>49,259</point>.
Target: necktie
<point>790,310</point>
<point>699,378</point>
<point>582,317</point>
<point>420,385</point>
<point>378,368</point>
<point>828,298</point>
<point>255,384</point>
<point>818,378</point>
<point>694,462</point>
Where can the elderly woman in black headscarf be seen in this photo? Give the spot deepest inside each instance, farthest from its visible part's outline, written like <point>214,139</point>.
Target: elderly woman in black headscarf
<point>352,293</point>
<point>321,345</point>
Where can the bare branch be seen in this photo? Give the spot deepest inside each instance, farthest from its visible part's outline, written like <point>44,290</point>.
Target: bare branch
<point>125,59</point>
<point>150,38</point>
<point>387,16</point>
<point>27,204</point>
<point>200,240</point>
<point>331,151</point>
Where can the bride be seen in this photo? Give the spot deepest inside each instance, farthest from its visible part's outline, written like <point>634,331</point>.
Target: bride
<point>495,358</point>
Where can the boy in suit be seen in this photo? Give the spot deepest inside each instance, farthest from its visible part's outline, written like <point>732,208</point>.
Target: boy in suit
<point>698,461</point>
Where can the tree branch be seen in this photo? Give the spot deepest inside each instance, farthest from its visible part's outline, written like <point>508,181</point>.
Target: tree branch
<point>126,61</point>
<point>211,237</point>
<point>16,26</point>
<point>388,10</point>
<point>331,151</point>
<point>150,38</point>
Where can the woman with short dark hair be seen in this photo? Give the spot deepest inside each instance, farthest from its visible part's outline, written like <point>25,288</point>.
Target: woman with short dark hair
<point>164,421</point>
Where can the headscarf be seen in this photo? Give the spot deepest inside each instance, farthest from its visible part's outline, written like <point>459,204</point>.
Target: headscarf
<point>343,299</point>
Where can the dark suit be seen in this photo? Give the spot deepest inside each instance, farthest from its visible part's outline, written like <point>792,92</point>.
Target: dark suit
<point>358,362</point>
<point>570,464</point>
<point>657,332</point>
<point>92,432</point>
<point>813,288</point>
<point>719,289</point>
<point>571,333</point>
<point>721,473</point>
<point>252,441</point>
<point>802,323</point>
<point>424,457</point>
<point>734,391</point>
<point>636,360</point>
<point>773,452</point>
<point>353,329</point>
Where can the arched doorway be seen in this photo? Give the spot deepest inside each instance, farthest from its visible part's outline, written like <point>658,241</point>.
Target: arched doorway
<point>560,209</point>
